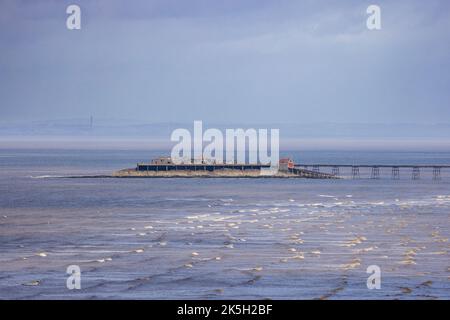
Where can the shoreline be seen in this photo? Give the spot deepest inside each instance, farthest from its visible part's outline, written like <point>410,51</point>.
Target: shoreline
<point>253,174</point>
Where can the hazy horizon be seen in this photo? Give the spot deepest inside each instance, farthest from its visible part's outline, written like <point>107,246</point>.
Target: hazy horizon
<point>105,133</point>
<point>233,61</point>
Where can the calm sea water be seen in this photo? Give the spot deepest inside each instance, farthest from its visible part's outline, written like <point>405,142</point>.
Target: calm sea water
<point>220,238</point>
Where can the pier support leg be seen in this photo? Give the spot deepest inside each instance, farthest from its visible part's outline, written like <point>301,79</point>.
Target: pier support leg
<point>436,173</point>
<point>355,172</point>
<point>375,173</point>
<point>316,168</point>
<point>416,173</point>
<point>335,171</point>
<point>395,173</point>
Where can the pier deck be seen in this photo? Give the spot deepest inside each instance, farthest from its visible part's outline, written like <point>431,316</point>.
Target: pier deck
<point>375,169</point>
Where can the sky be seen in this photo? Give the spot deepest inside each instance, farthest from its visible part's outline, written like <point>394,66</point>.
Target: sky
<point>226,61</point>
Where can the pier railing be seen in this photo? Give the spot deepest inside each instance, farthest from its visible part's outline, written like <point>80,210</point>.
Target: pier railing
<point>374,171</point>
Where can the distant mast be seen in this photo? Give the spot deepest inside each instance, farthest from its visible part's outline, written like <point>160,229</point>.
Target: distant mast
<point>91,122</point>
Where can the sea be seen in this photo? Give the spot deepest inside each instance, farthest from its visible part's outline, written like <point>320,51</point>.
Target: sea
<point>220,238</point>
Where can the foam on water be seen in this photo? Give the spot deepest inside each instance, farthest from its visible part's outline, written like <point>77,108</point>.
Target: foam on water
<point>219,238</point>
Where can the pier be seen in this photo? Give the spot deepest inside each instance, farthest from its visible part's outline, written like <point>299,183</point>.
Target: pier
<point>373,171</point>
<point>164,166</point>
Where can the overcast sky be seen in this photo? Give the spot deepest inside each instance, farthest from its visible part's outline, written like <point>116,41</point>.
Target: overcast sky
<point>226,61</point>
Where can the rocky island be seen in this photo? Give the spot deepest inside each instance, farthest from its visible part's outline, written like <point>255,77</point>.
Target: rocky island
<point>164,167</point>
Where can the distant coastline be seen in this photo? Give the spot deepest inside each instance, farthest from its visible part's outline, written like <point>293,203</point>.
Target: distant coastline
<point>395,144</point>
